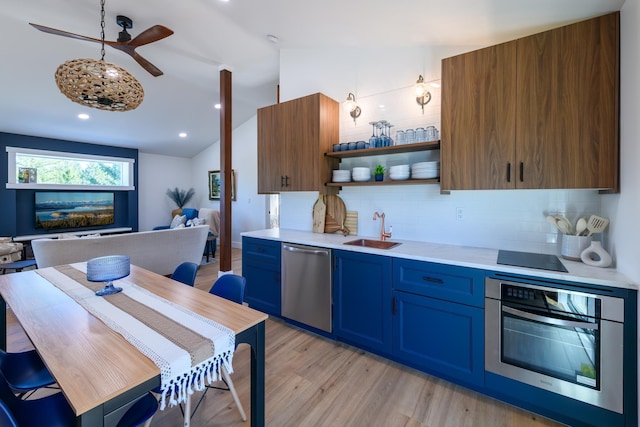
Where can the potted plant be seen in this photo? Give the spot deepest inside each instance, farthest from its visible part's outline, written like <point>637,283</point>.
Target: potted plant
<point>180,198</point>
<point>378,172</point>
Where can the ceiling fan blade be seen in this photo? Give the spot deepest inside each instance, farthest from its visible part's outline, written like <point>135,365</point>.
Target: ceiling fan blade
<point>155,71</point>
<point>63,33</point>
<point>150,35</point>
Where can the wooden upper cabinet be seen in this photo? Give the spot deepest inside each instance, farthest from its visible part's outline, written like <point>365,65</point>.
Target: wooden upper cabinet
<point>547,116</point>
<point>478,119</point>
<point>292,139</point>
<point>568,100</point>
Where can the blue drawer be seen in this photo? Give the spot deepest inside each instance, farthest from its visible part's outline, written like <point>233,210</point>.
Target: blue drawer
<point>451,283</point>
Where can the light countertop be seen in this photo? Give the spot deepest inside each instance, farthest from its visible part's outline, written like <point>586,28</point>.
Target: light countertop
<point>464,256</point>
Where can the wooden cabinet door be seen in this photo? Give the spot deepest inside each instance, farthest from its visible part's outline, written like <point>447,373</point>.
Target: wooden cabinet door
<point>299,124</point>
<point>362,300</point>
<point>269,150</point>
<point>567,107</point>
<point>478,119</point>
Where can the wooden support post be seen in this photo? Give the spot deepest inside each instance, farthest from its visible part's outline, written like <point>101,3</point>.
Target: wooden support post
<point>225,170</point>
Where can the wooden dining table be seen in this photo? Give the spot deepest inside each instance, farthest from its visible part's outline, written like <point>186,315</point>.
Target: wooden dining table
<point>100,373</point>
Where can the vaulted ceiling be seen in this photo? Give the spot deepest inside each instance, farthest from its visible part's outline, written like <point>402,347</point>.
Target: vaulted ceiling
<point>214,33</point>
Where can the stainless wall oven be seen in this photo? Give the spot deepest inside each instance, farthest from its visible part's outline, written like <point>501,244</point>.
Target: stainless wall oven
<point>563,341</point>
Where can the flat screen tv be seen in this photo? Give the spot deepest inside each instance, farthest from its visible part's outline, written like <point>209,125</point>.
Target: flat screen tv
<point>70,210</point>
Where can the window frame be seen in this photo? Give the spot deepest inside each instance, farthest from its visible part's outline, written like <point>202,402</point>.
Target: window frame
<point>12,175</point>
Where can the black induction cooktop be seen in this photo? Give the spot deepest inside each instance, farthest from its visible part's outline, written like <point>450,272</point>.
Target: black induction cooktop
<point>531,260</point>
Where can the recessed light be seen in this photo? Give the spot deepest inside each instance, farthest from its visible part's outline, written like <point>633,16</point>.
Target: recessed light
<point>182,134</point>
<point>273,39</point>
<point>217,106</point>
<point>83,116</point>
<point>381,106</point>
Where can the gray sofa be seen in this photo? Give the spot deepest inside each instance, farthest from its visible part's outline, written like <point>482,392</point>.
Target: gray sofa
<point>159,251</point>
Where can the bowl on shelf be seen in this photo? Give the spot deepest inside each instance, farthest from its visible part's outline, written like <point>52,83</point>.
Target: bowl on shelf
<point>361,174</point>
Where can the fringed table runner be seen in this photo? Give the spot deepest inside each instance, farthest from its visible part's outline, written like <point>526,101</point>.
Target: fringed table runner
<point>189,349</point>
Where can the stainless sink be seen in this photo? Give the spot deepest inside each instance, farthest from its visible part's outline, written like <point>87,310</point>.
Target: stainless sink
<point>377,244</point>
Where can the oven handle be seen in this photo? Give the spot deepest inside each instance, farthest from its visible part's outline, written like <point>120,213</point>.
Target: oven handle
<point>550,320</point>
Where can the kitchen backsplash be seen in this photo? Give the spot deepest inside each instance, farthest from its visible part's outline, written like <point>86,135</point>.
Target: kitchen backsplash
<point>501,219</point>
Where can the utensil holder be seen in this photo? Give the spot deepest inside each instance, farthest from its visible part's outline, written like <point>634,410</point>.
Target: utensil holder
<point>572,246</point>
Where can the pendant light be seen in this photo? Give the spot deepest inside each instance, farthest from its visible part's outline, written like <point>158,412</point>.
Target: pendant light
<point>99,84</point>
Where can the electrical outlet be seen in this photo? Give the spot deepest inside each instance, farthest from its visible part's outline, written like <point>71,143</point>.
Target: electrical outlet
<point>459,214</point>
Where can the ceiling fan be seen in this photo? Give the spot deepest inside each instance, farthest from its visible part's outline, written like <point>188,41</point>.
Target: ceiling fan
<point>124,43</point>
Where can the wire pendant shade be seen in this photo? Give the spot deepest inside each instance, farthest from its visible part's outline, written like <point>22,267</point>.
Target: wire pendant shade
<point>99,84</point>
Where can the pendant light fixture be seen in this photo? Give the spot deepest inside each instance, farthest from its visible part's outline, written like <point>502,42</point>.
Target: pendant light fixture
<point>99,84</point>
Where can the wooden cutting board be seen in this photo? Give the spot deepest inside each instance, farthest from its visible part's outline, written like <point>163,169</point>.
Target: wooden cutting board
<point>335,214</point>
<point>319,212</point>
<point>351,222</point>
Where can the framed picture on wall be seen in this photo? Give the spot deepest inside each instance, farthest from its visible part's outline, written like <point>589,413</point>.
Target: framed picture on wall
<point>215,183</point>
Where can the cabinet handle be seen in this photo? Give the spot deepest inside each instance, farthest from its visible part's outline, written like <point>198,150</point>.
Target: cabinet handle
<point>394,306</point>
<point>286,180</point>
<point>508,172</point>
<point>433,280</point>
<point>281,181</point>
<point>521,171</point>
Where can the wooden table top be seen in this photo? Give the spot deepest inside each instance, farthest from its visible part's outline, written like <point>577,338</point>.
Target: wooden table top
<point>91,363</point>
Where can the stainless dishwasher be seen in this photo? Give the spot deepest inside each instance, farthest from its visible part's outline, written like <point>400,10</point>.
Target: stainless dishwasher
<point>306,285</point>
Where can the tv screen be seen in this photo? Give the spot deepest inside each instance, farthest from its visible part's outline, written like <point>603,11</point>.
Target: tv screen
<point>69,210</point>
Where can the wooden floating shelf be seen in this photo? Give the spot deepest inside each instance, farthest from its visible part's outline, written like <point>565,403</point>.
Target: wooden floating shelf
<point>395,149</point>
<point>391,182</point>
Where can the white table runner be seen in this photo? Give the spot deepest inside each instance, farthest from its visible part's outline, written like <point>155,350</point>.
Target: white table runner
<point>189,349</point>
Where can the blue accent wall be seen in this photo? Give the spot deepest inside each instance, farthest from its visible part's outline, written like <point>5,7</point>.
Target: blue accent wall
<point>17,206</point>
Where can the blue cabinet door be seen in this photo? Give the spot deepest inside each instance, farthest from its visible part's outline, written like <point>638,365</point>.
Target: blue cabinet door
<point>261,269</point>
<point>362,300</point>
<point>439,337</point>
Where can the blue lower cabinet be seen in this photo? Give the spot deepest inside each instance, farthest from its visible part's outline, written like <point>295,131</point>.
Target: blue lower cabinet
<point>362,300</point>
<point>261,268</point>
<point>439,337</point>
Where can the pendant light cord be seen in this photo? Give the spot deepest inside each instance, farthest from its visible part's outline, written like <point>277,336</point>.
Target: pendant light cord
<point>102,28</point>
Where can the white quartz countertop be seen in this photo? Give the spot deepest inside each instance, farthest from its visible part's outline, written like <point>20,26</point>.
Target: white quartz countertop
<point>464,256</point>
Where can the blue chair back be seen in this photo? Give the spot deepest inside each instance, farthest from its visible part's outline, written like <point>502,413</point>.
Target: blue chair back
<point>186,273</point>
<point>6,417</point>
<point>190,213</point>
<point>229,286</point>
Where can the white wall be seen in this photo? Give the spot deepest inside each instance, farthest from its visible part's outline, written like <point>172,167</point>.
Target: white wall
<point>248,211</point>
<point>495,219</point>
<point>155,175</point>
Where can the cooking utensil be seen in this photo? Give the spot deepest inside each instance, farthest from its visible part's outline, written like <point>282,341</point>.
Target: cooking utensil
<point>551,220</point>
<point>564,225</point>
<point>581,226</point>
<point>319,212</point>
<point>596,224</point>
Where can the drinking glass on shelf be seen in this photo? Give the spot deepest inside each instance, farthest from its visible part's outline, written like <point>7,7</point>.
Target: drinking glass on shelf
<point>400,138</point>
<point>373,141</point>
<point>431,133</point>
<point>410,136</point>
<point>421,135</point>
<point>389,139</point>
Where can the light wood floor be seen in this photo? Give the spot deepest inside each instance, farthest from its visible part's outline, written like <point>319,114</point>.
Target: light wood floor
<point>312,381</point>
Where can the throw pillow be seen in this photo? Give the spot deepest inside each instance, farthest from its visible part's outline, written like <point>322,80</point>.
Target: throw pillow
<point>178,220</point>
<point>195,222</point>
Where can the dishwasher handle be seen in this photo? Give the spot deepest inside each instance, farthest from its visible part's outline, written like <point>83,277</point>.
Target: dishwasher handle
<point>310,251</point>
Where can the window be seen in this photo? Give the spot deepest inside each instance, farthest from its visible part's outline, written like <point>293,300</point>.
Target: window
<point>42,169</point>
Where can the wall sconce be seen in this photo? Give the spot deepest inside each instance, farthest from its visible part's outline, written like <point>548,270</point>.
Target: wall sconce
<point>352,107</point>
<point>423,96</point>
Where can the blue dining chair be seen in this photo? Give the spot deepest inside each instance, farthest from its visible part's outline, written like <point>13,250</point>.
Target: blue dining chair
<point>24,372</point>
<point>186,273</point>
<point>231,287</point>
<point>55,411</point>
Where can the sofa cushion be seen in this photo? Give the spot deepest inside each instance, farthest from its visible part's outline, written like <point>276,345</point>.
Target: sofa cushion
<point>178,220</point>
<point>211,218</point>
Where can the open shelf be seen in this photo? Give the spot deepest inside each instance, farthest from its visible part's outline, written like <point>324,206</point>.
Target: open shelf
<point>387,182</point>
<point>395,149</point>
